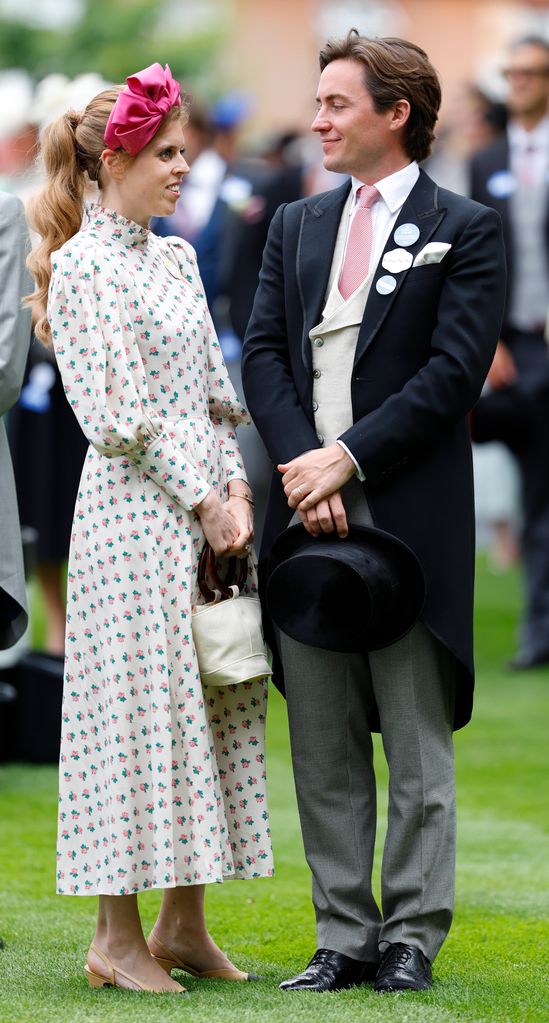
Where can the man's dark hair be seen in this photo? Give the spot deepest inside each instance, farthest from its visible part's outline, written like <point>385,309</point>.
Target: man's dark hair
<point>531,40</point>
<point>395,69</point>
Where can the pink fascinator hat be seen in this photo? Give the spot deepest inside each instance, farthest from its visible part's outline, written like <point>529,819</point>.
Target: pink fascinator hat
<point>141,107</point>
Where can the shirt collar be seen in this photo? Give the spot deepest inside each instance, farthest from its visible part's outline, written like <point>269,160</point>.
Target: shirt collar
<point>519,138</point>
<point>395,188</point>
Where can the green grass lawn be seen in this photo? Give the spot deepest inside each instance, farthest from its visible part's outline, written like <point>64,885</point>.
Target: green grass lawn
<point>493,967</point>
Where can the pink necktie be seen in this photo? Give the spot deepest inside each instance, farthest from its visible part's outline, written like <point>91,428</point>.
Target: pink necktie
<point>359,243</point>
<point>527,171</point>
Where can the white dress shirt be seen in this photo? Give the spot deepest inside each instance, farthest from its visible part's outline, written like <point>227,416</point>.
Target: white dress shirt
<point>529,164</point>
<point>393,190</point>
<point>529,151</point>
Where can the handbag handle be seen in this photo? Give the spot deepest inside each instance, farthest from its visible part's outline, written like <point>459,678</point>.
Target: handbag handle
<point>207,567</point>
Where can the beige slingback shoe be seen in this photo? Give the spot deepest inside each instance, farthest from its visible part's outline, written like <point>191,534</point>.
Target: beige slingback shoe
<point>98,980</point>
<point>168,960</point>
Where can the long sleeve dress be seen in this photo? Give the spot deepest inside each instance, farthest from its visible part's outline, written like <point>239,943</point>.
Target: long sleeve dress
<point>162,780</point>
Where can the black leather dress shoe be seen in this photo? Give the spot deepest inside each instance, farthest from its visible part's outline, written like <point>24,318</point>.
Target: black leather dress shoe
<point>403,968</point>
<point>331,971</point>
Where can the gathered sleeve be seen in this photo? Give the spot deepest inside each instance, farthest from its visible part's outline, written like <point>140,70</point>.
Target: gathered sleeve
<point>89,309</point>
<point>226,411</point>
<point>225,408</point>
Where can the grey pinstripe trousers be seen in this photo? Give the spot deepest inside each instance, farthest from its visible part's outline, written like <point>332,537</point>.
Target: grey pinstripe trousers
<point>330,698</point>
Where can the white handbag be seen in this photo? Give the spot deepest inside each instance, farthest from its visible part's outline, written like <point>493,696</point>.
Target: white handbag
<point>227,631</point>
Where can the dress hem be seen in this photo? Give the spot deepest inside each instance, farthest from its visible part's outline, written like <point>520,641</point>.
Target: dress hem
<point>161,886</point>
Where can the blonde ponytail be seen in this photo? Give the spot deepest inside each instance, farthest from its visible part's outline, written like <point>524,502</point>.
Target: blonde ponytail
<point>71,153</point>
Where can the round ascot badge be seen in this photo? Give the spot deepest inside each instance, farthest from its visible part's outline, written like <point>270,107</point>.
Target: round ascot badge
<point>397,260</point>
<point>406,234</point>
<point>385,285</point>
<point>501,184</point>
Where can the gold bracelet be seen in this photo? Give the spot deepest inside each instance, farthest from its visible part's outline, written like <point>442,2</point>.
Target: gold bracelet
<point>244,498</point>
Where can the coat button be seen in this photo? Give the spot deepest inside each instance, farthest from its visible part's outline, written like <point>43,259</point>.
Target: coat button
<point>315,406</point>
<point>318,342</point>
<point>317,374</point>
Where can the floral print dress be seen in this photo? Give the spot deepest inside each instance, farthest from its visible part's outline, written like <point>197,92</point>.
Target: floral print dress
<point>162,780</point>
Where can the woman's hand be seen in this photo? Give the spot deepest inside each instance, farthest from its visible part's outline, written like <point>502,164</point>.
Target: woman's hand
<point>242,512</point>
<point>219,525</point>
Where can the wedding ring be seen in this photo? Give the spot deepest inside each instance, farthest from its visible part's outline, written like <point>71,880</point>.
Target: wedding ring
<point>300,491</point>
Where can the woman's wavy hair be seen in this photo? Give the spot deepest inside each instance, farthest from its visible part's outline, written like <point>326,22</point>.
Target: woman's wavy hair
<point>395,69</point>
<point>71,149</point>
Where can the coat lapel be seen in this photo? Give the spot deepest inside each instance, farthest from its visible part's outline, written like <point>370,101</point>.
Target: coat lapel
<point>421,208</point>
<point>316,242</point>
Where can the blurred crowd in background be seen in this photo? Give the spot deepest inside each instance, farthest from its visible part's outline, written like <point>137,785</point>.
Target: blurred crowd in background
<point>227,202</point>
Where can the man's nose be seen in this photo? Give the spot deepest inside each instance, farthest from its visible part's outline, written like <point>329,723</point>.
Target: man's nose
<point>320,122</point>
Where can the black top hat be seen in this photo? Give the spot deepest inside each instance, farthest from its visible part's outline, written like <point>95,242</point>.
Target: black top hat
<point>359,593</point>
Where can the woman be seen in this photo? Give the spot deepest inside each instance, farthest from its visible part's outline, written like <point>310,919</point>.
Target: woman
<point>162,781</point>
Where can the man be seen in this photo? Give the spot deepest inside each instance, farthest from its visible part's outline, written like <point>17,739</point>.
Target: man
<point>512,175</point>
<point>15,329</point>
<point>360,374</point>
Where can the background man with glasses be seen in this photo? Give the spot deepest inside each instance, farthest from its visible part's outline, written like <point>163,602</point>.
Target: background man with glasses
<point>512,176</point>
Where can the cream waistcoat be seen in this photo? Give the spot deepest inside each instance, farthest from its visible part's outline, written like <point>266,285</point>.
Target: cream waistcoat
<point>333,345</point>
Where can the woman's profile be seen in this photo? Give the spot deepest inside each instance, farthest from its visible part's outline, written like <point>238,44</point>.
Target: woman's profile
<point>162,780</point>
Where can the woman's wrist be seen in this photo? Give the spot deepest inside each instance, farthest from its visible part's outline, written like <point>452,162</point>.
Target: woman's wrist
<point>243,497</point>
<point>208,503</point>
<point>240,489</point>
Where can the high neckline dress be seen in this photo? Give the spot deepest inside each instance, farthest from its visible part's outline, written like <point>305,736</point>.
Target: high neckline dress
<point>162,780</point>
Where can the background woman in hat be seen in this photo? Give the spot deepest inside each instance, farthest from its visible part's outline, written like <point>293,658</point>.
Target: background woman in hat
<point>150,786</point>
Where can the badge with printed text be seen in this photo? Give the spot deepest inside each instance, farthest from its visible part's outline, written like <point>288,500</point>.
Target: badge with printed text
<point>385,285</point>
<point>397,260</point>
<point>406,234</point>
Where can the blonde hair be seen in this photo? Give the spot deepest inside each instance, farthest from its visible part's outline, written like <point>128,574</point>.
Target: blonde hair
<point>71,150</point>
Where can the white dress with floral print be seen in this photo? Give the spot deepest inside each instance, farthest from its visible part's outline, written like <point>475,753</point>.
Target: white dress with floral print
<point>162,780</point>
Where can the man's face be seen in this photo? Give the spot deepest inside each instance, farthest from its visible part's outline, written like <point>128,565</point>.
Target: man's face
<point>354,137</point>
<point>527,73</point>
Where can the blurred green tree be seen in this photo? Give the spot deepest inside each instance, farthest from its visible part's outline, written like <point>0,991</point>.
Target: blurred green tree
<point>113,37</point>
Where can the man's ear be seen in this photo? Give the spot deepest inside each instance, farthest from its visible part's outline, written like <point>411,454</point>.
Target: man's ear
<point>115,162</point>
<point>400,114</point>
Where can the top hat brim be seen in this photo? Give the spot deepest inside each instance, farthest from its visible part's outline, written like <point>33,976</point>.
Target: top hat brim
<point>359,593</point>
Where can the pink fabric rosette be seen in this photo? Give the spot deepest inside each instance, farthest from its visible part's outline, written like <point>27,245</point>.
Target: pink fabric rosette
<point>141,107</point>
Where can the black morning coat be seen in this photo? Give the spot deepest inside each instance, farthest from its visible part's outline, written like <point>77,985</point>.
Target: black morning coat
<point>422,355</point>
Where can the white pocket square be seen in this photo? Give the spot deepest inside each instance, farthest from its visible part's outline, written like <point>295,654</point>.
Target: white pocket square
<point>433,252</point>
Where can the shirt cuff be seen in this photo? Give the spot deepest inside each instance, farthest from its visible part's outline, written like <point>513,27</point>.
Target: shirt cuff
<point>359,472</point>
